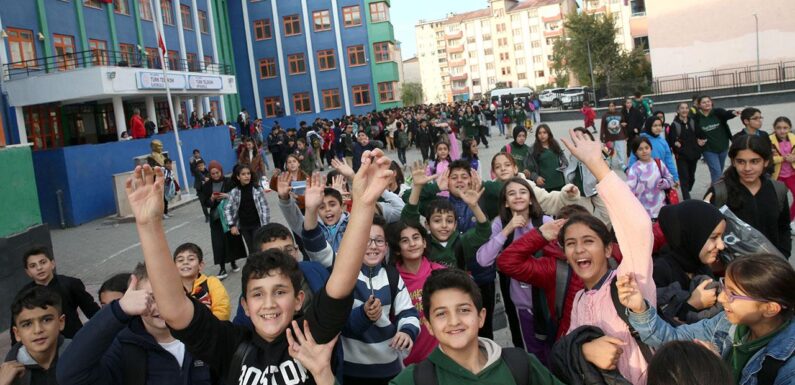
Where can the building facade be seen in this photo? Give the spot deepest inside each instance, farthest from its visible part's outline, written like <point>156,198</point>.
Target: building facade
<point>306,59</point>
<point>465,55</point>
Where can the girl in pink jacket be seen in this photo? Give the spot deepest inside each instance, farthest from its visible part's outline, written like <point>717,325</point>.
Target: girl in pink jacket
<point>407,248</point>
<point>586,243</point>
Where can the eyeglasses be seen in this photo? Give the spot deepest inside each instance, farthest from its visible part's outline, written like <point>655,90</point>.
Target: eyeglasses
<point>731,296</point>
<point>377,241</point>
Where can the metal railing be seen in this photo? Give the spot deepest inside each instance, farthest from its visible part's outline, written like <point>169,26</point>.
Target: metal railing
<point>96,58</point>
<point>696,82</point>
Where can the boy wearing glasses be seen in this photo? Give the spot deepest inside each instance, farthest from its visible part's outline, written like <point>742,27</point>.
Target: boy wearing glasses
<point>752,125</point>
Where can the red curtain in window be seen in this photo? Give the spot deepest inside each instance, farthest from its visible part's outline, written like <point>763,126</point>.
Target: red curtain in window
<point>106,1</point>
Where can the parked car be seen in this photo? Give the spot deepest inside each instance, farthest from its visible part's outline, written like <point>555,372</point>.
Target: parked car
<point>550,97</point>
<point>511,94</point>
<point>574,97</point>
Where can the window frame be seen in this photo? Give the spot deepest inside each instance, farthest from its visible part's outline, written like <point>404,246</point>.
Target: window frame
<point>379,52</point>
<point>268,63</point>
<point>391,90</point>
<point>297,59</point>
<point>204,25</point>
<point>354,51</point>
<point>118,10</point>
<point>62,61</point>
<point>303,98</point>
<point>323,58</point>
<point>379,9</point>
<point>94,4</point>
<point>100,46</point>
<point>332,95</point>
<point>349,12</point>
<point>262,26</point>
<point>144,10</point>
<point>269,102</point>
<point>187,22</point>
<point>127,53</point>
<point>15,36</point>
<point>360,91</point>
<point>167,10</point>
<point>327,18</point>
<point>292,21</point>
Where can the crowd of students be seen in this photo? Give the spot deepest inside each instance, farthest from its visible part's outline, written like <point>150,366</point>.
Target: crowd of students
<point>381,277</point>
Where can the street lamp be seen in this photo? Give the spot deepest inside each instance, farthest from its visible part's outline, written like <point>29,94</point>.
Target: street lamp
<point>590,68</point>
<point>758,77</point>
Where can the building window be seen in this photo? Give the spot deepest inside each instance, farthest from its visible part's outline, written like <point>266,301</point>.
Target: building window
<point>488,51</point>
<point>204,27</point>
<point>121,7</point>
<point>153,58</point>
<point>379,12</point>
<point>351,16</point>
<point>521,76</point>
<point>506,70</point>
<point>144,9</point>
<point>386,92</point>
<point>535,44</point>
<point>326,59</point>
<point>92,4</point>
<point>301,103</point>
<point>193,62</point>
<point>539,74</point>
<point>381,51</point>
<point>489,66</point>
<point>331,99</point>
<point>262,29</point>
<point>537,59</point>
<point>187,20</point>
<point>65,51</point>
<point>292,25</point>
<point>361,95</point>
<point>168,14</point>
<point>638,7</point>
<point>99,52</point>
<point>270,106</point>
<point>173,60</point>
<point>127,54</point>
<point>267,68</point>
<point>642,42</point>
<point>43,126</point>
<point>520,61</point>
<point>296,64</point>
<point>21,47</point>
<point>501,27</point>
<point>356,55</point>
<point>208,61</point>
<point>502,42</point>
<point>321,20</point>
<point>504,56</point>
<point>533,29</point>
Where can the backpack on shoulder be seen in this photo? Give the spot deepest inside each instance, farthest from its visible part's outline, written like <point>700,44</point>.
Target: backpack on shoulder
<point>517,360</point>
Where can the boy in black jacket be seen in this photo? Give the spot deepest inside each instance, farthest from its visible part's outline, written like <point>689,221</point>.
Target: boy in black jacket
<point>39,265</point>
<point>37,324</point>
<point>128,342</point>
<point>271,282</point>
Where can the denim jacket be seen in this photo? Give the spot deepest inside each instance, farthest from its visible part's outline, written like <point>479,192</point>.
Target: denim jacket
<point>655,332</point>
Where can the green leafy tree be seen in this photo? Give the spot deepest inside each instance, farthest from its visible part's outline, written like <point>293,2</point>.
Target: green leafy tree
<point>614,69</point>
<point>411,94</point>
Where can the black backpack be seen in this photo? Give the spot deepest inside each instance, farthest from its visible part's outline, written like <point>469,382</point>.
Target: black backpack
<point>770,367</point>
<point>518,362</point>
<point>720,194</point>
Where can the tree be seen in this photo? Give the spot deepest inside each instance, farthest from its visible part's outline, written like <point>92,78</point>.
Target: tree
<point>411,94</point>
<point>616,71</point>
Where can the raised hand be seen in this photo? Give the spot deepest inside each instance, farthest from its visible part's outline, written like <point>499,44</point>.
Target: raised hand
<point>373,177</point>
<point>136,302</point>
<point>603,352</point>
<point>443,180</point>
<point>471,195</point>
<point>629,293</point>
<point>343,168</point>
<point>418,177</point>
<point>550,230</point>
<point>316,358</point>
<point>571,191</point>
<point>588,151</point>
<point>313,196</point>
<point>339,183</point>
<point>283,185</point>
<point>145,194</point>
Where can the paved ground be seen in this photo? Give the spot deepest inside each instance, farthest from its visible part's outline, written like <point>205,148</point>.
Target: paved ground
<point>95,251</point>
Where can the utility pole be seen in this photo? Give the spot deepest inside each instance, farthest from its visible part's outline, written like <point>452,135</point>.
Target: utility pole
<point>758,77</point>
<point>590,68</point>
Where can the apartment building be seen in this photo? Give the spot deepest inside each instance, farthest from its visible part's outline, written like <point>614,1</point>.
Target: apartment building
<point>465,55</point>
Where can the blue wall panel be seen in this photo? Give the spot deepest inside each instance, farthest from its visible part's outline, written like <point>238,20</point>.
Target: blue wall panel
<point>85,172</point>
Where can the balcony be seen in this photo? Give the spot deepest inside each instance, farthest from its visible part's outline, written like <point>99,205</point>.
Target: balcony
<point>462,76</point>
<point>455,48</point>
<point>592,11</point>
<point>461,91</point>
<point>457,63</point>
<point>555,33</point>
<point>551,19</point>
<point>454,35</point>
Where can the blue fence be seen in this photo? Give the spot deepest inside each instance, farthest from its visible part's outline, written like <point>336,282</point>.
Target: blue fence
<point>85,173</point>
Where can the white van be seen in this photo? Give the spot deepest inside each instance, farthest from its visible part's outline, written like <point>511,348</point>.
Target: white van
<point>516,92</point>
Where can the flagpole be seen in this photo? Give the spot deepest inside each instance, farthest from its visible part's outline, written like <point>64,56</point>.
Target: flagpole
<point>163,62</point>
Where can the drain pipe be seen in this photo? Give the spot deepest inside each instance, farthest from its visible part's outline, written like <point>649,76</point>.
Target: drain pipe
<point>59,197</point>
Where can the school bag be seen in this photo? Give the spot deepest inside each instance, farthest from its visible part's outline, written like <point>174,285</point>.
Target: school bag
<point>517,360</point>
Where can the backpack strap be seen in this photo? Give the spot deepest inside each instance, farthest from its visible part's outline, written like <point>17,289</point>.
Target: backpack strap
<point>622,312</point>
<point>393,276</point>
<point>236,363</point>
<point>562,277</point>
<point>508,148</point>
<point>425,373</point>
<point>134,364</point>
<point>518,362</point>
<point>781,194</point>
<point>770,368</point>
<point>458,251</point>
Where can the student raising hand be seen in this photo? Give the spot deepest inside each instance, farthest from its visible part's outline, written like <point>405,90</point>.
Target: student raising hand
<point>136,302</point>
<point>145,194</point>
<point>316,358</point>
<point>629,293</point>
<point>372,178</point>
<point>313,195</point>
<point>587,151</point>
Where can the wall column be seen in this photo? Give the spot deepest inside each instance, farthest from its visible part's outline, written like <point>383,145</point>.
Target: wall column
<point>151,114</point>
<point>23,133</point>
<point>118,114</point>
<point>198,106</point>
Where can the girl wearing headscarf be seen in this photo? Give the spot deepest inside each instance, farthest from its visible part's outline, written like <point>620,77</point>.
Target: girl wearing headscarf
<point>685,289</point>
<point>210,196</point>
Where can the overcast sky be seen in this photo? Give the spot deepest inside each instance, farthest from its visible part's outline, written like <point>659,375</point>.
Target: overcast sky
<point>406,13</point>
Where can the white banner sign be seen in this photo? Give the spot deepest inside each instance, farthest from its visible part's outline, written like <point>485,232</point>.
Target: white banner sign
<point>196,82</point>
<point>154,81</point>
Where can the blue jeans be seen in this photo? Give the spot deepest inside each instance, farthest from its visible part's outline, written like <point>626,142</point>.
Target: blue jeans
<point>715,162</point>
<point>501,124</point>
